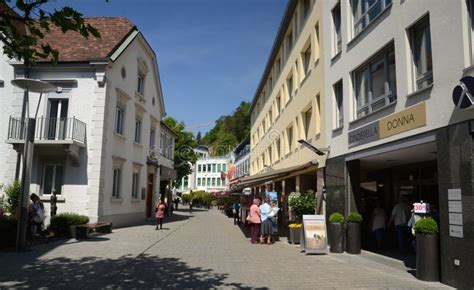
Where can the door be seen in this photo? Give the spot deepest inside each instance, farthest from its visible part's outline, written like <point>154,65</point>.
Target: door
<point>149,194</point>
<point>56,122</point>
<point>53,178</point>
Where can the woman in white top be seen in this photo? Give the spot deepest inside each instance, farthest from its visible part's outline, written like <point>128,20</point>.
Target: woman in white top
<point>377,224</point>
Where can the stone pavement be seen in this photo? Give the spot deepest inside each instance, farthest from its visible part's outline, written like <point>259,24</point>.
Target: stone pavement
<point>201,250</point>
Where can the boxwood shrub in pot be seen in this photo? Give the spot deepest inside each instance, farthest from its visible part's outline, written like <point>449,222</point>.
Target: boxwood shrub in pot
<point>336,232</point>
<point>354,220</point>
<point>427,249</point>
<point>61,223</point>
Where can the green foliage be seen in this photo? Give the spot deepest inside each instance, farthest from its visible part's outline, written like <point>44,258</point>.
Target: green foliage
<point>186,198</point>
<point>354,217</point>
<point>13,192</point>
<point>60,223</point>
<point>229,131</point>
<point>336,218</point>
<point>184,154</point>
<point>426,226</point>
<point>303,204</point>
<point>226,200</point>
<point>32,17</point>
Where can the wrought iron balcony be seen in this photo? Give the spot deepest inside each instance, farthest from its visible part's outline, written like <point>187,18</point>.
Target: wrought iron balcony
<point>49,131</point>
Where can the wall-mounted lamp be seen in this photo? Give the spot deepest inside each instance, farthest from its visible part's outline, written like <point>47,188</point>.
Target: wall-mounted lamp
<point>319,151</point>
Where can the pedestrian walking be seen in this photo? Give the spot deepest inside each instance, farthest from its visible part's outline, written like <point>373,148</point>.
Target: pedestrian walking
<point>267,226</point>
<point>377,224</point>
<point>254,219</point>
<point>191,206</point>
<point>235,211</point>
<point>176,203</point>
<point>37,215</point>
<point>400,216</point>
<point>160,213</point>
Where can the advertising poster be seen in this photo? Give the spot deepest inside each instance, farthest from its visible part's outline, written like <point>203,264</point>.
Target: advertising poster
<point>314,239</point>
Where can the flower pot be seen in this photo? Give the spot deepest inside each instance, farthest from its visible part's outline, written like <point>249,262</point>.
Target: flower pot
<point>336,237</point>
<point>295,235</point>
<point>353,238</point>
<point>72,232</point>
<point>427,257</point>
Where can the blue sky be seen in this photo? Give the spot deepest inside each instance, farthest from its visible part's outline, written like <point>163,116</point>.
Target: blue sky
<point>211,53</point>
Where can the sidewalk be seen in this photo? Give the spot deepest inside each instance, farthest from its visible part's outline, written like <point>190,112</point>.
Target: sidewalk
<point>199,250</point>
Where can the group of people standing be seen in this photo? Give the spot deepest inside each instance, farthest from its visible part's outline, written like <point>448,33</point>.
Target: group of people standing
<point>262,219</point>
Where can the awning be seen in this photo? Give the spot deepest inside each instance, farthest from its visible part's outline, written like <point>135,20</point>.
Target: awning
<point>167,173</point>
<point>256,179</point>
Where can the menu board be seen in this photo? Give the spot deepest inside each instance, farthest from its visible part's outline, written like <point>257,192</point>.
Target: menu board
<point>314,235</point>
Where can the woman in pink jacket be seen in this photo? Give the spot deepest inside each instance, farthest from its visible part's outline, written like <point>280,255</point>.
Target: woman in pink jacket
<point>160,213</point>
<point>255,221</point>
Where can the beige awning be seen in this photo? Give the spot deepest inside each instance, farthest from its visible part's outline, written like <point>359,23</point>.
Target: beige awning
<point>257,179</point>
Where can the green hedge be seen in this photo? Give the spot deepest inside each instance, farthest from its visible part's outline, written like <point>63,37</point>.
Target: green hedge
<point>336,218</point>
<point>354,217</point>
<point>426,226</point>
<point>60,223</point>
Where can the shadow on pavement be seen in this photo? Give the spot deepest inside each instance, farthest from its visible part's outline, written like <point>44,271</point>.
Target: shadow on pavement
<point>127,272</point>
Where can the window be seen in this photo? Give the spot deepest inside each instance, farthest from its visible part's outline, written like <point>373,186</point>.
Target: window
<point>316,42</point>
<point>306,56</point>
<point>289,86</point>
<point>278,104</point>
<point>289,43</point>
<point>277,145</point>
<point>152,137</point>
<point>199,168</point>
<point>278,67</point>
<point>208,181</point>
<point>119,117</point>
<point>213,182</point>
<point>289,136</point>
<point>141,84</point>
<point>135,184</point>
<point>53,178</point>
<point>138,129</point>
<point>209,168</point>
<point>470,11</point>
<point>365,11</point>
<point>338,101</point>
<point>204,168</point>
<point>421,51</point>
<point>224,167</point>
<point>219,182</point>
<point>270,116</point>
<point>162,144</point>
<point>306,8</point>
<point>219,168</point>
<point>336,29</point>
<point>214,167</point>
<point>199,181</point>
<point>306,117</point>
<point>116,186</point>
<point>375,83</point>
<point>270,155</point>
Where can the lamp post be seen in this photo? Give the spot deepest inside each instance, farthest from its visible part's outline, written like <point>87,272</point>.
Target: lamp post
<point>35,86</point>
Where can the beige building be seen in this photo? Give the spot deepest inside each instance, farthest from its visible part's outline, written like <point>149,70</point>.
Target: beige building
<point>287,107</point>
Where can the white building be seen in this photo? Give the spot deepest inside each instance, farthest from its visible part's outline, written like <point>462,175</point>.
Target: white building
<point>94,135</point>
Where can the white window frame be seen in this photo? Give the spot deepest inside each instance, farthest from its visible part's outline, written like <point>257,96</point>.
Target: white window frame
<point>336,33</point>
<point>141,84</point>
<point>427,74</point>
<point>135,184</point>
<point>152,137</point>
<point>53,182</point>
<point>364,17</point>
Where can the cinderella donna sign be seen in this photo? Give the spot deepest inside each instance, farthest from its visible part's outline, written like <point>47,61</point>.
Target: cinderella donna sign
<point>403,121</point>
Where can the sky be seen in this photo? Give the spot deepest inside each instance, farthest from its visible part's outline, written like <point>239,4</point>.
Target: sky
<point>211,53</point>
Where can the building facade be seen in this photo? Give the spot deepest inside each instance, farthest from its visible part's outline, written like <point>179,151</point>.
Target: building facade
<point>393,129</point>
<point>288,106</point>
<point>96,135</point>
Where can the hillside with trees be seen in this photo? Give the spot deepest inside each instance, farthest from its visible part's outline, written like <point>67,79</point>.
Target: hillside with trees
<point>229,131</point>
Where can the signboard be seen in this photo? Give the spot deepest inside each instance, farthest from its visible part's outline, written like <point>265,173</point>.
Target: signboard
<point>463,93</point>
<point>455,213</point>
<point>421,207</point>
<point>454,194</point>
<point>456,231</point>
<point>314,234</point>
<point>455,219</point>
<point>400,122</point>
<point>454,206</point>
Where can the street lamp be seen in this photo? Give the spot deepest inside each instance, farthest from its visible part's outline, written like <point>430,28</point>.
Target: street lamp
<point>319,151</point>
<point>35,86</point>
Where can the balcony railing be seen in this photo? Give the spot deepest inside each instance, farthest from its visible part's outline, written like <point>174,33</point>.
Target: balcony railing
<point>53,129</point>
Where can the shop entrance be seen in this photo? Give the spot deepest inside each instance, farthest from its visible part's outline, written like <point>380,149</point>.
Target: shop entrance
<point>380,182</point>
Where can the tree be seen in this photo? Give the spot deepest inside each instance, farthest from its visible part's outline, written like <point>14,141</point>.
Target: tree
<point>24,25</point>
<point>184,154</point>
<point>198,138</point>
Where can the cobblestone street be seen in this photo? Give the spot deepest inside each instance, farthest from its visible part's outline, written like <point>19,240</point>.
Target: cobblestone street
<point>201,250</point>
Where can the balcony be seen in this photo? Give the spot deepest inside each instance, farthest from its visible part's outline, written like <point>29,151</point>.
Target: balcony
<point>53,133</point>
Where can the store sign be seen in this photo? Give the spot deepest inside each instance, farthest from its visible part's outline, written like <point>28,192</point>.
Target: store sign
<point>403,121</point>
<point>314,234</point>
<point>421,207</point>
<point>400,122</point>
<point>455,212</point>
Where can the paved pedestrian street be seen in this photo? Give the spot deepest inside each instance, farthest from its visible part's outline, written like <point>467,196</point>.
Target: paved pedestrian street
<point>199,250</point>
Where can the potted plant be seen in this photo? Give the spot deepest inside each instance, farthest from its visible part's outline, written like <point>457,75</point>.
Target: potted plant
<point>427,249</point>
<point>354,220</point>
<point>64,224</point>
<point>336,232</point>
<point>295,233</point>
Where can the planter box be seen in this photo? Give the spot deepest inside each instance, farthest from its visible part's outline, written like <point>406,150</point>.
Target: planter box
<point>353,238</point>
<point>336,237</point>
<point>427,257</point>
<point>295,236</point>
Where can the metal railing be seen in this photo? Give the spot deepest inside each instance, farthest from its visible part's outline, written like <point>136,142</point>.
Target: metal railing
<point>54,129</point>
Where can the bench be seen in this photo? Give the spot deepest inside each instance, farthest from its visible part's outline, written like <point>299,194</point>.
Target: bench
<point>86,230</point>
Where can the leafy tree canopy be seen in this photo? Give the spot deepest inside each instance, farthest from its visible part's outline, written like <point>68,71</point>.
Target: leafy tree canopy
<point>229,131</point>
<point>183,148</point>
<point>24,23</point>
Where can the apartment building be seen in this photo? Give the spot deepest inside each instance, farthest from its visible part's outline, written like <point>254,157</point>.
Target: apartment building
<point>95,136</point>
<point>288,107</point>
<point>393,129</point>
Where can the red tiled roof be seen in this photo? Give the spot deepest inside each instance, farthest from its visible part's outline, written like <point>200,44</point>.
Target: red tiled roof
<point>73,47</point>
